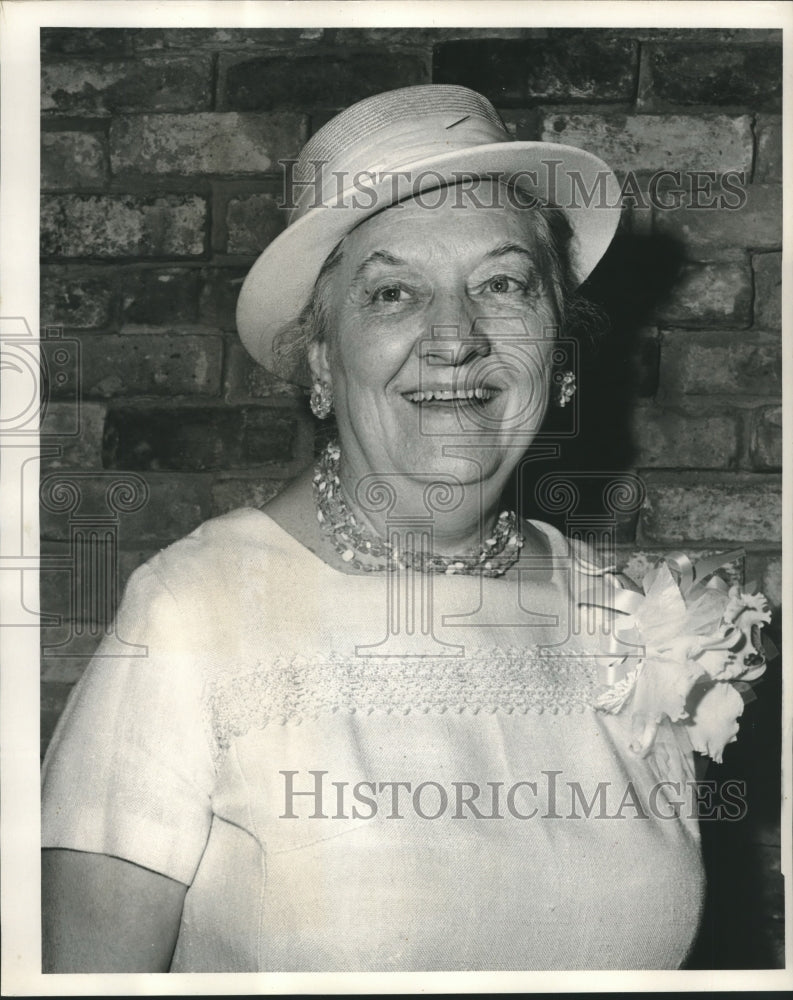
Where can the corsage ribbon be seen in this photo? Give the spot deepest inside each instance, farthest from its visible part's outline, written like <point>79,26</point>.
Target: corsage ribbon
<point>684,649</point>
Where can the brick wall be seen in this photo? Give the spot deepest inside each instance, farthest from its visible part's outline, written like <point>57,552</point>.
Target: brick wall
<point>160,185</point>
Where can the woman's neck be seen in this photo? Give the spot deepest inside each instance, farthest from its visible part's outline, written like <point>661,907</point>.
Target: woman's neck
<point>458,517</point>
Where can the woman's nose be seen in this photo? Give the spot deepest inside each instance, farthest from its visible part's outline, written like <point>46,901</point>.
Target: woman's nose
<point>453,334</point>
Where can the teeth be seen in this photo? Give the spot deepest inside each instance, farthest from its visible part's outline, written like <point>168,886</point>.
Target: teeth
<point>447,395</point>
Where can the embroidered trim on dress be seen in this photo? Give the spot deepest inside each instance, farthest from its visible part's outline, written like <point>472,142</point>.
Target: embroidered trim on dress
<point>290,689</point>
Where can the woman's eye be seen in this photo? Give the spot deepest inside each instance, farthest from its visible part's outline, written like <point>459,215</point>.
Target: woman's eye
<point>391,295</point>
<point>502,284</point>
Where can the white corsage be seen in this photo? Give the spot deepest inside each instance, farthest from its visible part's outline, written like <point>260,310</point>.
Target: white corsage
<point>695,645</point>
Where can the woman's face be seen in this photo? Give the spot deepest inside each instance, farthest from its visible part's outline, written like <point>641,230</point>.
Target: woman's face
<point>441,334</point>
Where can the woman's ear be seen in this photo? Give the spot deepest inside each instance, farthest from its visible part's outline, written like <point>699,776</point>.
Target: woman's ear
<point>318,361</point>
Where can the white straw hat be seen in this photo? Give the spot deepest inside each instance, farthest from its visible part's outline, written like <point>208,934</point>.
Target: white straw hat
<point>390,147</point>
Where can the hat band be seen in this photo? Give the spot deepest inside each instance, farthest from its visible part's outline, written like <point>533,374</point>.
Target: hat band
<point>379,157</point>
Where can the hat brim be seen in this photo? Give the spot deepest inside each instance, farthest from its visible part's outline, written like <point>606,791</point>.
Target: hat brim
<point>281,281</point>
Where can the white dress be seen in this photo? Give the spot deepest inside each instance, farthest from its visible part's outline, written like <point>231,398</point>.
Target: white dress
<point>342,793</point>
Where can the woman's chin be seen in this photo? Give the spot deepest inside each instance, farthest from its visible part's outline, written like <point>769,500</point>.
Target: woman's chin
<point>462,458</point>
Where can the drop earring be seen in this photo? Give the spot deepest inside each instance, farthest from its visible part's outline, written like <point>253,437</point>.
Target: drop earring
<point>565,388</point>
<point>321,401</point>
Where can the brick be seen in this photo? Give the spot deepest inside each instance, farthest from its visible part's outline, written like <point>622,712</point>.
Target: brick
<point>177,505</point>
<point>717,74</point>
<point>709,295</point>
<point>675,440</point>
<point>702,35</point>
<point>123,225</point>
<point>80,87</point>
<point>61,371</point>
<point>275,39</point>
<point>387,37</point>
<point>247,380</point>
<point>65,635</point>
<point>59,670</point>
<point>68,638</point>
<point>657,142</point>
<point>522,123</point>
<point>580,495</point>
<point>217,301</point>
<point>56,590</point>
<point>768,290</point>
<point>86,501</point>
<point>62,592</point>
<point>198,440</point>
<point>173,506</point>
<point>252,222</point>
<point>160,296</point>
<point>324,78</point>
<point>188,145</point>
<point>73,160</point>
<point>93,41</point>
<point>768,166</point>
<point>757,224</point>
<point>513,71</point>
<point>62,634</point>
<point>148,364</point>
<point>699,506</point>
<point>765,443</point>
<point>748,364</point>
<point>229,494</point>
<point>636,563</point>
<point>75,301</point>
<point>68,669</point>
<point>79,450</point>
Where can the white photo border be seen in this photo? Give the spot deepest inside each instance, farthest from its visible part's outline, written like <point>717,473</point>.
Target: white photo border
<point>20,21</point>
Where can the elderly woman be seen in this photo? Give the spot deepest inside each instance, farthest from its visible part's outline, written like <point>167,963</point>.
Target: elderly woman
<point>384,724</point>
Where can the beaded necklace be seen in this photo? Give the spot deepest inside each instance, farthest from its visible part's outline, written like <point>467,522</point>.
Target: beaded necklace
<point>370,553</point>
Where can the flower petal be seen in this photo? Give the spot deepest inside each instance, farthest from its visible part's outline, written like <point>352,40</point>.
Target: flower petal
<point>663,610</point>
<point>690,652</point>
<point>714,721</point>
<point>704,614</point>
<point>661,690</point>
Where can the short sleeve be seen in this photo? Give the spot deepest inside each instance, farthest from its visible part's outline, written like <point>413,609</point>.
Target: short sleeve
<point>129,771</point>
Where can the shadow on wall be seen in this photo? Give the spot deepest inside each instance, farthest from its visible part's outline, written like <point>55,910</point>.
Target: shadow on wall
<point>616,365</point>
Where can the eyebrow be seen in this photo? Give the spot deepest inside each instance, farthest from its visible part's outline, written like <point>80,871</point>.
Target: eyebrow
<point>507,248</point>
<point>378,257</point>
<point>385,257</point>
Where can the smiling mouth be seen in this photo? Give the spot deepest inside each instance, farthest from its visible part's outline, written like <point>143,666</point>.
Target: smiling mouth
<point>454,397</point>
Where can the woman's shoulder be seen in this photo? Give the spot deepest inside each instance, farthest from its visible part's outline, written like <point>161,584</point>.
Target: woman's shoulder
<point>579,555</point>
<point>219,553</point>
